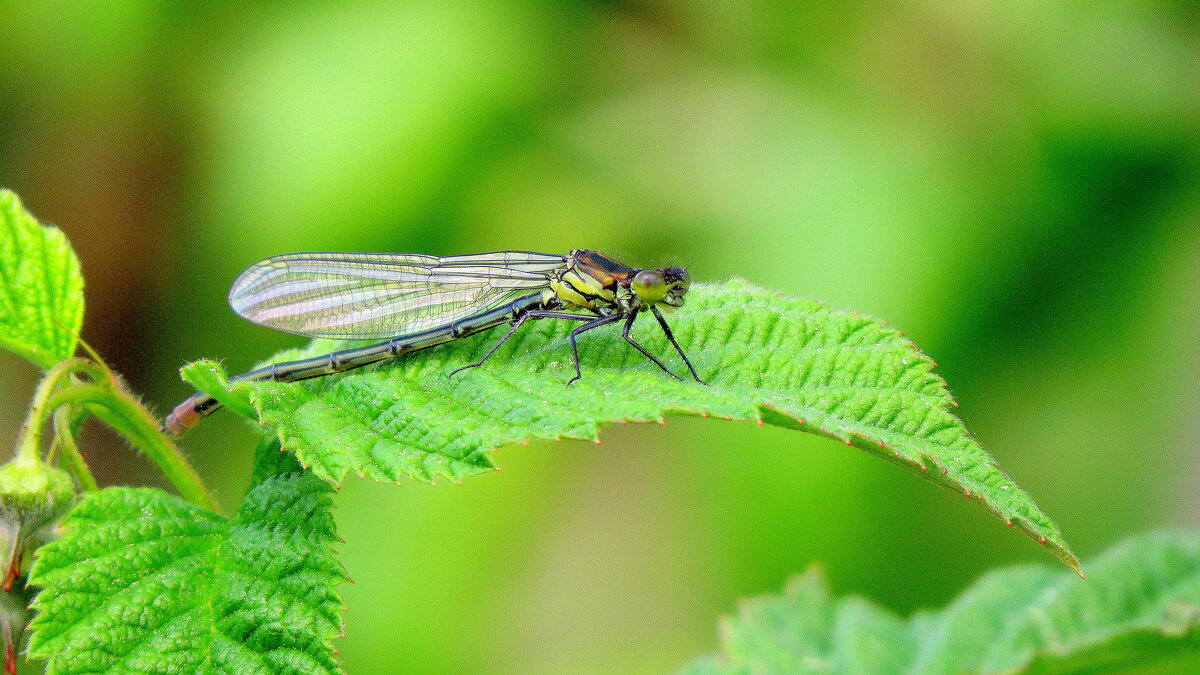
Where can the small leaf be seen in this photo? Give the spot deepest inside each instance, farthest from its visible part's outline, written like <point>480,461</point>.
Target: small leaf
<point>1139,606</point>
<point>144,582</point>
<point>806,631</point>
<point>41,287</point>
<point>208,376</point>
<point>766,357</point>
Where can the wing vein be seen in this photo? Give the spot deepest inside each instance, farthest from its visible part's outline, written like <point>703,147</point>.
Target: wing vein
<point>382,295</point>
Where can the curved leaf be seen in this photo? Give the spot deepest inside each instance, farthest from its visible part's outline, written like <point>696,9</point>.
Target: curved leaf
<point>767,358</point>
<point>41,288</point>
<point>145,582</point>
<point>1140,606</point>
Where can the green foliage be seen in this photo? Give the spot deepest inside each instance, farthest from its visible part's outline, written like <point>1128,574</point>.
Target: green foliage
<point>767,358</point>
<point>1139,606</point>
<point>41,287</point>
<point>144,582</point>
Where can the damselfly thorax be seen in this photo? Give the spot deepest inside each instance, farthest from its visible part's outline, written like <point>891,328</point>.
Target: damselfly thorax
<point>419,301</point>
<point>593,281</point>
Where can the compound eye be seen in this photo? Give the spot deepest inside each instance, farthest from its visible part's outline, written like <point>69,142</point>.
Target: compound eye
<point>685,279</point>
<point>677,277</point>
<point>649,285</point>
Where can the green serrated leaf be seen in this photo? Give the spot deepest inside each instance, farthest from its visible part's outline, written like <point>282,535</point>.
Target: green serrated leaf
<point>144,582</point>
<point>208,376</point>
<point>1140,606</point>
<point>41,287</point>
<point>767,358</point>
<point>806,631</point>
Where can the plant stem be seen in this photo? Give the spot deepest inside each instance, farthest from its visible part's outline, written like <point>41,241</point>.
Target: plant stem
<point>124,414</point>
<point>64,424</point>
<point>29,441</point>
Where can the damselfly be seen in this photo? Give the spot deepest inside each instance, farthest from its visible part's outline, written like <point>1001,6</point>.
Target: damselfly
<point>419,301</point>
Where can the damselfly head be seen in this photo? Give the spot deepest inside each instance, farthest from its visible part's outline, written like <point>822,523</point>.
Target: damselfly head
<point>667,285</point>
<point>678,282</point>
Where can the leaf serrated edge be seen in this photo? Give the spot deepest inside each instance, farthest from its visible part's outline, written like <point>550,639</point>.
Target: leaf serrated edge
<point>82,518</point>
<point>915,460</point>
<point>1051,541</point>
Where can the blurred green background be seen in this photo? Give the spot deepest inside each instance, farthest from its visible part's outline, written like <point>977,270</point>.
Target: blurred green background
<point>1014,184</point>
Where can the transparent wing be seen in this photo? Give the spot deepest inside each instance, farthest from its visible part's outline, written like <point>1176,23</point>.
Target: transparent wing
<point>372,296</point>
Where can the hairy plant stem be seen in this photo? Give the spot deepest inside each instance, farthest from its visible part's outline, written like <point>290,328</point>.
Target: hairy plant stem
<point>29,439</point>
<point>64,437</point>
<point>128,417</point>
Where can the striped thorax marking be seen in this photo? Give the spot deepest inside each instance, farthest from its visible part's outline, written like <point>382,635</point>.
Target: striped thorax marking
<point>590,280</point>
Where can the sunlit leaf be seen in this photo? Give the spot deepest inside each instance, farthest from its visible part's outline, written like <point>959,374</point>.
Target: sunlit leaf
<point>41,288</point>
<point>145,582</point>
<point>767,358</point>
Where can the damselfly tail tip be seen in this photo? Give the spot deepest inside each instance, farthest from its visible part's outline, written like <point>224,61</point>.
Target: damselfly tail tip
<point>182,418</point>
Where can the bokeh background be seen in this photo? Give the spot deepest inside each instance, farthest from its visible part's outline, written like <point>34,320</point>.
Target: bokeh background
<point>1015,184</point>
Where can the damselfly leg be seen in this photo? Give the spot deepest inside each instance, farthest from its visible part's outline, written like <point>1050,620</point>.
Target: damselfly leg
<point>532,314</point>
<point>662,321</point>
<point>583,329</point>
<point>629,338</point>
<point>591,321</point>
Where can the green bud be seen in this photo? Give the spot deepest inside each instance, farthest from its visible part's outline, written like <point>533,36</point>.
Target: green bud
<point>33,496</point>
